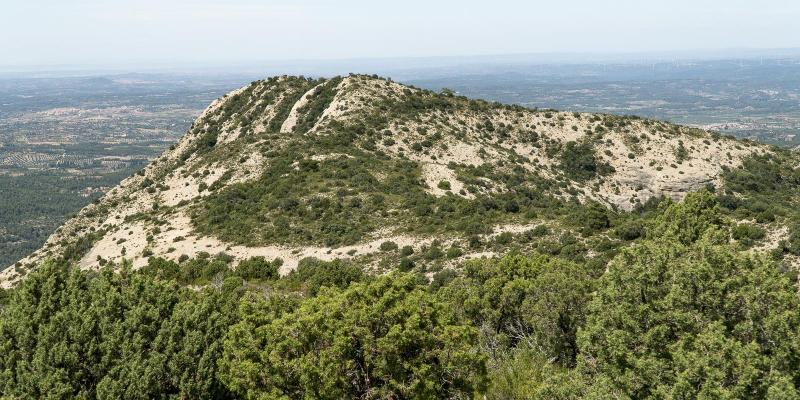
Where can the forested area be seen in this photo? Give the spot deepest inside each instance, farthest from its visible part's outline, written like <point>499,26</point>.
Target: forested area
<point>33,205</point>
<point>684,311</point>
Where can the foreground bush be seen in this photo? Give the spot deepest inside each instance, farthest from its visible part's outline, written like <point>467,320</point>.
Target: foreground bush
<point>387,338</point>
<point>704,321</point>
<point>687,314</point>
<point>681,312</point>
<point>535,301</point>
<point>74,334</point>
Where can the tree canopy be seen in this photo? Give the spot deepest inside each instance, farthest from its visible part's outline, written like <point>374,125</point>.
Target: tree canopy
<point>685,310</point>
<point>387,338</point>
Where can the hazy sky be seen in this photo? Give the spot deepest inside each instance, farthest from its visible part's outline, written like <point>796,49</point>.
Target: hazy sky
<point>93,32</point>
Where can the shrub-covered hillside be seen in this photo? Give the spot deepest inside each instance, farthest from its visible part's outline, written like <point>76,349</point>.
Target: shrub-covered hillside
<point>357,238</point>
<point>366,169</point>
<point>685,311</point>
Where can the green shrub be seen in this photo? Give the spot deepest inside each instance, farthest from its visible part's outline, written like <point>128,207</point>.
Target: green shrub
<point>442,279</point>
<point>406,264</point>
<point>630,230</point>
<point>592,217</point>
<point>388,246</point>
<point>434,252</point>
<point>258,268</point>
<point>385,339</point>
<point>406,251</point>
<point>454,252</point>
<point>313,274</point>
<point>539,231</point>
<point>747,234</point>
<point>533,299</point>
<point>161,268</point>
<point>504,238</point>
<point>579,163</point>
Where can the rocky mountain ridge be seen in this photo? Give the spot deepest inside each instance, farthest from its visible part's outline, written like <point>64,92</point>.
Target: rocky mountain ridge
<point>359,167</point>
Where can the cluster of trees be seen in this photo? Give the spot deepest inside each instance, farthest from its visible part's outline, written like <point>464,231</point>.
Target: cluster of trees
<point>765,189</point>
<point>687,314</point>
<point>67,333</point>
<point>205,269</point>
<point>286,206</point>
<point>682,312</point>
<point>579,162</point>
<point>296,212</point>
<point>387,338</point>
<point>34,204</point>
<point>338,201</point>
<point>71,334</point>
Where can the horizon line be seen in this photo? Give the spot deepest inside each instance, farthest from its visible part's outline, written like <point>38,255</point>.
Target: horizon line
<point>530,58</point>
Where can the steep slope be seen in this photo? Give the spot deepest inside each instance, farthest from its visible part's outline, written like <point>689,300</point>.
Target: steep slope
<point>355,167</point>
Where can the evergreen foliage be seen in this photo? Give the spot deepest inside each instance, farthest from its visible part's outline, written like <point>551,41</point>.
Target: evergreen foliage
<point>682,312</point>
<point>669,300</point>
<point>687,315</point>
<point>384,339</point>
<point>72,334</point>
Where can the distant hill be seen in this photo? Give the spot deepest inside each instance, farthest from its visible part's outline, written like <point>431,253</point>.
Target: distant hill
<point>361,167</point>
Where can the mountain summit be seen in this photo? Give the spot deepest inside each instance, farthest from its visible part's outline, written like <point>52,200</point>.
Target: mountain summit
<point>363,167</point>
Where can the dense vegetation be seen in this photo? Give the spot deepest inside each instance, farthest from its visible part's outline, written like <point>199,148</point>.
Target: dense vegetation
<point>696,299</point>
<point>290,203</point>
<point>682,312</point>
<point>33,205</point>
<point>335,181</point>
<point>766,191</point>
<point>337,188</point>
